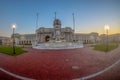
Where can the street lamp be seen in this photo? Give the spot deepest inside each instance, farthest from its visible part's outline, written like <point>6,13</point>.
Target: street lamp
<point>13,27</point>
<point>107,29</point>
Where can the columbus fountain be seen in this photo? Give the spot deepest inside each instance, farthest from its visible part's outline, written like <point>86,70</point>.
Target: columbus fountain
<point>57,41</point>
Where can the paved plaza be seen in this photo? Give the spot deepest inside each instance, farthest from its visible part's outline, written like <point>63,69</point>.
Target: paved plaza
<point>70,64</point>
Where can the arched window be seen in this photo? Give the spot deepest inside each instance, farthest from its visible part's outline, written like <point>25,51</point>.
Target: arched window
<point>47,38</point>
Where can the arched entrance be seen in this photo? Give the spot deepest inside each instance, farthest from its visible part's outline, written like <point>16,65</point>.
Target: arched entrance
<point>47,38</point>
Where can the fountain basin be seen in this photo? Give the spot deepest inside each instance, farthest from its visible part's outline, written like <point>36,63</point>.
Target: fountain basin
<point>58,45</point>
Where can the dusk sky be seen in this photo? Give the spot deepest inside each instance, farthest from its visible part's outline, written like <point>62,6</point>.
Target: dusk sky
<point>90,15</point>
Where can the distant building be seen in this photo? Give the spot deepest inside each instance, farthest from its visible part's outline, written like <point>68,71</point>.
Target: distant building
<point>115,38</point>
<point>87,38</point>
<point>24,39</point>
<point>5,41</point>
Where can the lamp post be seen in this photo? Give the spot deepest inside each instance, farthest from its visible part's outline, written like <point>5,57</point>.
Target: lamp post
<point>107,29</point>
<point>13,27</point>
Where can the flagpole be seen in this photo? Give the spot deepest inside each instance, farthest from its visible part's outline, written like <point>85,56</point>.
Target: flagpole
<point>55,15</point>
<point>73,25</point>
<point>36,26</point>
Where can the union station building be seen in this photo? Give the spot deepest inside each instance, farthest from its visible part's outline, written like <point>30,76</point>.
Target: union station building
<point>57,33</point>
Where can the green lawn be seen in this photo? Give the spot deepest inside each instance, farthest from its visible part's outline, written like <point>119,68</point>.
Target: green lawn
<point>9,50</point>
<point>103,47</point>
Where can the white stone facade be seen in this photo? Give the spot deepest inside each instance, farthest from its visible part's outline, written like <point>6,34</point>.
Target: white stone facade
<point>46,35</point>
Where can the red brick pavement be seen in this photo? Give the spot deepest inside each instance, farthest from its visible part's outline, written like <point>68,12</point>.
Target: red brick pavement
<point>52,64</point>
<point>4,76</point>
<point>112,74</point>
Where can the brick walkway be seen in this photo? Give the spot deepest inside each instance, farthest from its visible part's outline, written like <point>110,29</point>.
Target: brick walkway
<point>61,64</point>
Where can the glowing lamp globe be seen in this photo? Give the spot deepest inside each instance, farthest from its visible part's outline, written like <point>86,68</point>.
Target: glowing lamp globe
<point>13,26</point>
<point>107,27</point>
